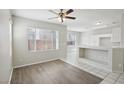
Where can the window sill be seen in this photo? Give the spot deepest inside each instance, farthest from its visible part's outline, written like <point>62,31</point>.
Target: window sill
<point>43,50</point>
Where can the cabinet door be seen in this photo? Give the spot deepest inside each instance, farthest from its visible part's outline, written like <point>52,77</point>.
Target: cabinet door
<point>116,34</point>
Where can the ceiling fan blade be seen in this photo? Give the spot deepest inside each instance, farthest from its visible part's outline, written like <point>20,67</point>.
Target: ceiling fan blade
<point>69,17</point>
<point>52,18</point>
<point>53,12</point>
<point>69,11</point>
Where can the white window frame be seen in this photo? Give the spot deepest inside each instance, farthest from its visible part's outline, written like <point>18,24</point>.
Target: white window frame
<point>35,50</point>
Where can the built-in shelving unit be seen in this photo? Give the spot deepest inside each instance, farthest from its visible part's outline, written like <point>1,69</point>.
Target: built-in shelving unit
<point>110,59</point>
<point>97,56</point>
<point>103,48</point>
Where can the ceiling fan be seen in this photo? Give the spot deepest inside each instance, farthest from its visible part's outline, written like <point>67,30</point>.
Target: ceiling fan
<point>62,15</point>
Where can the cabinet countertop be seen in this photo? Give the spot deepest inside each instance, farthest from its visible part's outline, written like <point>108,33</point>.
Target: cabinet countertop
<point>97,47</point>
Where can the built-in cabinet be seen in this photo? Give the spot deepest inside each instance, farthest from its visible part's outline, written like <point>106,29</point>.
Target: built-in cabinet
<point>110,59</point>
<point>105,40</point>
<point>103,49</point>
<point>111,37</point>
<point>97,56</point>
<point>116,34</point>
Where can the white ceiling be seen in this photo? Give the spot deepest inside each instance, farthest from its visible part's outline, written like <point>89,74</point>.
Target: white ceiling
<point>86,19</point>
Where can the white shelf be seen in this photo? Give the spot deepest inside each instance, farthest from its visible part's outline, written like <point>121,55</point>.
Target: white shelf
<point>95,47</point>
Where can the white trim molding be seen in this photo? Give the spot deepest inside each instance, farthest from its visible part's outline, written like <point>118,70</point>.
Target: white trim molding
<point>10,76</point>
<point>35,63</point>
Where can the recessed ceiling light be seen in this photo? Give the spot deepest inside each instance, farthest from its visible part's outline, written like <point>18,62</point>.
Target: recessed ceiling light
<point>98,23</point>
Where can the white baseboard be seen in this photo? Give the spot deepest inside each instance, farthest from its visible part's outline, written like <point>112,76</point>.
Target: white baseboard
<point>118,72</point>
<point>10,76</point>
<point>35,63</point>
<point>69,63</point>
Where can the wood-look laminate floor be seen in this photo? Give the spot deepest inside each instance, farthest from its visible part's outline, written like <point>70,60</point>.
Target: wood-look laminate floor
<point>52,72</point>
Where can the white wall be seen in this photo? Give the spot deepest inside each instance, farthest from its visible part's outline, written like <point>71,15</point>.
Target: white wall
<point>117,60</point>
<point>21,55</point>
<point>5,47</point>
<point>122,36</point>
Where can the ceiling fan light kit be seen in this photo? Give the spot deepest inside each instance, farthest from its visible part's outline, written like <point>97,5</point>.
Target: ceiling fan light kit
<point>62,15</point>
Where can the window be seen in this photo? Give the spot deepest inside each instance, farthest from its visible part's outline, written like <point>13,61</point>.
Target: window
<point>42,39</point>
<point>71,38</point>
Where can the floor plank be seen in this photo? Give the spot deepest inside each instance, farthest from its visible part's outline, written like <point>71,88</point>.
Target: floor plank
<point>52,72</point>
